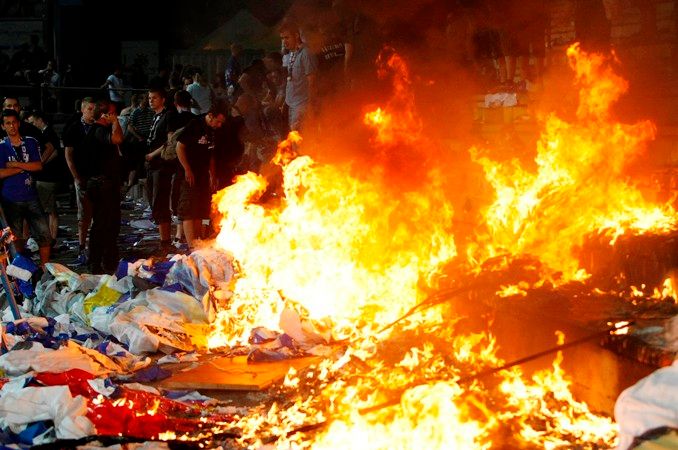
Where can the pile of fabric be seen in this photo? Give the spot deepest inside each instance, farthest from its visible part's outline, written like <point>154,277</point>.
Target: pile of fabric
<point>71,367</point>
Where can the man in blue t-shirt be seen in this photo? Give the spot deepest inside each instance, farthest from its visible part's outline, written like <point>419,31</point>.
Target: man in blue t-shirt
<point>19,157</point>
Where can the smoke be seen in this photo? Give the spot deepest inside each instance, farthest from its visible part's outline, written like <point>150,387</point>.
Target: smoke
<point>443,86</point>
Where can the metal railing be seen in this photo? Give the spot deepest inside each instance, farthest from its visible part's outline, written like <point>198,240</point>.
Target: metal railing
<point>58,100</point>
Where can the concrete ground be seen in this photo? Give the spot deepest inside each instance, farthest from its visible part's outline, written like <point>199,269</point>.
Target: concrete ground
<point>138,236</point>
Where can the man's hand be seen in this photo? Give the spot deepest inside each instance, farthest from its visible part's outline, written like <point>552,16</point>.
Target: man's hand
<point>110,118</point>
<point>190,178</point>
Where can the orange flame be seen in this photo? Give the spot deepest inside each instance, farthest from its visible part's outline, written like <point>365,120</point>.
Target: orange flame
<point>337,247</point>
<point>578,187</point>
<point>397,122</point>
<point>351,257</point>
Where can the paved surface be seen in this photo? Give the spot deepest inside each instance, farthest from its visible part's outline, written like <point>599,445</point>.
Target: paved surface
<point>134,242</point>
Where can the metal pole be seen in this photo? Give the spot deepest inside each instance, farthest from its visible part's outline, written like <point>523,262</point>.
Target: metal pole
<point>5,241</point>
<point>6,238</point>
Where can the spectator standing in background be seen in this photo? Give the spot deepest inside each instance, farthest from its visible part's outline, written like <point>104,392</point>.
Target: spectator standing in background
<point>302,67</point>
<point>114,84</point>
<point>202,94</point>
<point>52,173</point>
<point>19,159</point>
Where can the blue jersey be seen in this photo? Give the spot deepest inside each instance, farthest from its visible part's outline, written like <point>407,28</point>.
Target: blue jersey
<point>19,187</point>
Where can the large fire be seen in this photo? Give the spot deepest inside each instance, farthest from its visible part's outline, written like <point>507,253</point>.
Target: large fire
<point>579,186</point>
<point>351,258</point>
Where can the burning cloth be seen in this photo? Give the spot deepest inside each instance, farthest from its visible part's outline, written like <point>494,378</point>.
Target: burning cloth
<point>650,403</point>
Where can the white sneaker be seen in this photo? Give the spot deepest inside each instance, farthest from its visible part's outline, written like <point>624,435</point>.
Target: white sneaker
<point>32,245</point>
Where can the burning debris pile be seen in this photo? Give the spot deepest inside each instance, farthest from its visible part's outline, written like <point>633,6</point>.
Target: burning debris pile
<point>347,266</point>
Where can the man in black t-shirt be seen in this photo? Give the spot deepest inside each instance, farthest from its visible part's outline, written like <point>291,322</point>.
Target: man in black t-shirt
<point>94,160</point>
<point>75,153</point>
<point>158,171</point>
<point>53,171</point>
<point>195,151</point>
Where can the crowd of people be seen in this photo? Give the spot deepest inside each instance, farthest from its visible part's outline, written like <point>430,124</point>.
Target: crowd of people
<point>184,136</point>
<point>187,135</point>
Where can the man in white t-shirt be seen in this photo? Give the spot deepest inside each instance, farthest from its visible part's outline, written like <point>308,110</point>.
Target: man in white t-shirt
<point>114,84</point>
<point>202,95</point>
<point>302,66</point>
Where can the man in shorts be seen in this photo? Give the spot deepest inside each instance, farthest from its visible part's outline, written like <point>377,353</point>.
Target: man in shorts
<point>52,174</point>
<point>195,151</point>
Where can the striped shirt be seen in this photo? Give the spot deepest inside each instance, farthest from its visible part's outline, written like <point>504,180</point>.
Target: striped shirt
<point>142,120</point>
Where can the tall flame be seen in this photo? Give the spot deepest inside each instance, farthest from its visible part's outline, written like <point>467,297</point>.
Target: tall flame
<point>579,186</point>
<point>337,247</point>
<point>352,254</point>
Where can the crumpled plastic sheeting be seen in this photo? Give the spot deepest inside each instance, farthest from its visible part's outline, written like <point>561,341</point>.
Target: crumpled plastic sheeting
<point>75,282</point>
<point>202,269</point>
<point>650,403</point>
<point>144,330</point>
<point>152,319</point>
<point>132,409</point>
<point>308,334</point>
<point>177,305</point>
<point>33,404</point>
<point>107,292</point>
<point>70,356</point>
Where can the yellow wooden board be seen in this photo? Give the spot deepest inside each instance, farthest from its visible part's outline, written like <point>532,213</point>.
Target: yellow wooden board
<point>234,373</point>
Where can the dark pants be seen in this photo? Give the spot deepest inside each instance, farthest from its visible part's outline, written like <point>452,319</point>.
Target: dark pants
<point>104,195</point>
<point>158,190</point>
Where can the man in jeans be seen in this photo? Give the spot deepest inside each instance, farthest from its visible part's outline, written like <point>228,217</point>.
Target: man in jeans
<point>19,158</point>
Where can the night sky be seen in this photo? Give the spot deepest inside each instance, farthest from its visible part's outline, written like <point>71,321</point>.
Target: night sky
<point>89,32</point>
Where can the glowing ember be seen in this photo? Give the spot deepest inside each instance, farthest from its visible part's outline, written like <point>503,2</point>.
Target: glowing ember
<point>667,291</point>
<point>548,396</point>
<point>621,327</point>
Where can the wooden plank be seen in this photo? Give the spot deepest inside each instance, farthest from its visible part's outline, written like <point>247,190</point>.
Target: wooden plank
<point>234,373</point>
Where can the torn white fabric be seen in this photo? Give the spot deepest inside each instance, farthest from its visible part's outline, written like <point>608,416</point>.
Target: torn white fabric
<point>19,272</point>
<point>33,404</point>
<point>650,403</point>
<point>41,359</point>
<point>305,332</point>
<point>177,304</point>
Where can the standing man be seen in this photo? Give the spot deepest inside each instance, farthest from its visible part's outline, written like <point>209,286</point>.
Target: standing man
<point>233,72</point>
<point>115,85</point>
<point>52,173</point>
<point>19,157</point>
<point>76,154</point>
<point>195,151</point>
<point>158,171</point>
<point>102,171</point>
<point>302,66</point>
